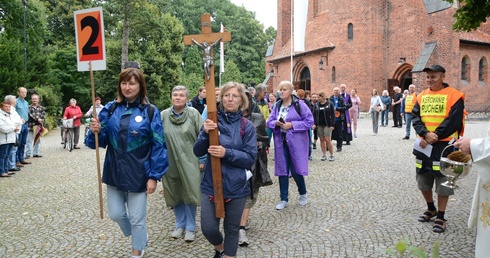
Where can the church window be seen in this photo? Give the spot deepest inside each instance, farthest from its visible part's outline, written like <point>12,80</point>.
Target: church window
<point>350,32</point>
<point>465,68</point>
<point>482,70</point>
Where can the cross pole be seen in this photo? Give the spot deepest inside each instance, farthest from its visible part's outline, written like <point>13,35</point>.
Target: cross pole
<point>206,40</point>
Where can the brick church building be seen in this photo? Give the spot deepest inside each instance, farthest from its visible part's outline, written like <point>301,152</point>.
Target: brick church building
<point>379,44</point>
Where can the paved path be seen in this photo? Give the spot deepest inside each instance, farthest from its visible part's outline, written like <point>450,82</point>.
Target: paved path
<point>360,204</point>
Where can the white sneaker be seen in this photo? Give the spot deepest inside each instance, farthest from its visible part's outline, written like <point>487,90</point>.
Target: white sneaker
<point>247,225</point>
<point>281,205</point>
<point>242,238</point>
<point>189,236</point>
<point>324,158</point>
<point>331,158</point>
<point>303,199</point>
<point>178,233</point>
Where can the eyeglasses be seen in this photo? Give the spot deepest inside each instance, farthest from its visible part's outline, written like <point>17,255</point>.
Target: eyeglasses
<point>228,96</point>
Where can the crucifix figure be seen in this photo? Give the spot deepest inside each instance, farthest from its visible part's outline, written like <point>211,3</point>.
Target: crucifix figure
<point>207,58</point>
<point>202,41</point>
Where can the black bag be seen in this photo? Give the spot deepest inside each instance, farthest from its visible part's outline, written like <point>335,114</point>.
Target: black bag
<point>16,143</point>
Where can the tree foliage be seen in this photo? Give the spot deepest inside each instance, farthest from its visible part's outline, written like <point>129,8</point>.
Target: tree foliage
<point>470,14</point>
<point>248,41</point>
<point>13,71</point>
<point>154,33</point>
<point>232,73</point>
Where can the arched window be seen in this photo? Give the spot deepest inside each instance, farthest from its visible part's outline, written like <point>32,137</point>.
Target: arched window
<point>334,76</point>
<point>465,68</point>
<point>305,79</point>
<point>482,70</point>
<point>350,32</point>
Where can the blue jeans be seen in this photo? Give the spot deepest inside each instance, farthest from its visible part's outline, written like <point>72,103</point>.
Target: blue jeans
<point>284,180</point>
<point>30,142</point>
<point>384,116</point>
<point>12,157</point>
<point>185,216</point>
<point>22,142</point>
<point>408,118</point>
<point>128,210</point>
<point>4,157</point>
<point>231,225</point>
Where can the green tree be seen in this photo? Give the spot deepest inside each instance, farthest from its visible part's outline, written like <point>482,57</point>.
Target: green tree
<point>470,14</point>
<point>232,73</point>
<point>270,35</point>
<point>13,71</point>
<point>193,77</point>
<point>248,42</point>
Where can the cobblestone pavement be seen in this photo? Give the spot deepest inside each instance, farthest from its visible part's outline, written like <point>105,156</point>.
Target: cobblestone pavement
<point>363,202</point>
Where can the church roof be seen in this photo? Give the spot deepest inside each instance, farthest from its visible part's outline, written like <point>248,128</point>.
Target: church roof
<point>476,36</point>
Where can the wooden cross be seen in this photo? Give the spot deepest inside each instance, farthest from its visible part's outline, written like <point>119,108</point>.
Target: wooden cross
<point>206,41</point>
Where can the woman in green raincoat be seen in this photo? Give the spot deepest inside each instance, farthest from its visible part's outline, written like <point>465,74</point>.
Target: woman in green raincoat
<point>182,181</point>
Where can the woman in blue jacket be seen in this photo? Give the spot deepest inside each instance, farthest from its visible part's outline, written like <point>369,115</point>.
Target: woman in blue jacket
<point>237,151</point>
<point>136,158</point>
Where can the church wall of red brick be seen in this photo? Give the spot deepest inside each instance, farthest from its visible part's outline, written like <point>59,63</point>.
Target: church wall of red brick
<point>383,32</point>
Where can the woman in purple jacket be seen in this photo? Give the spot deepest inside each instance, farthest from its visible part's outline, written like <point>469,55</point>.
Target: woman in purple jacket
<point>290,121</point>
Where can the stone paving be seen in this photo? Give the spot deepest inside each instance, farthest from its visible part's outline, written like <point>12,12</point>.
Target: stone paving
<point>363,202</point>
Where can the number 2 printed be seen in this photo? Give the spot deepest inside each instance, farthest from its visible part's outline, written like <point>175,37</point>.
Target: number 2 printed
<point>89,48</point>
<point>89,38</point>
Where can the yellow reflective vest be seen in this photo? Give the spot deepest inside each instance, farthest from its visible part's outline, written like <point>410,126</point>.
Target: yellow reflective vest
<point>435,107</point>
<point>410,102</point>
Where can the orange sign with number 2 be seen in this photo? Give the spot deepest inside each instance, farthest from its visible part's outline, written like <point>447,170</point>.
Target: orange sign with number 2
<point>90,40</point>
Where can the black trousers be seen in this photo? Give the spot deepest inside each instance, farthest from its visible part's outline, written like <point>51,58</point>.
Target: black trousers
<point>397,119</point>
<point>337,134</point>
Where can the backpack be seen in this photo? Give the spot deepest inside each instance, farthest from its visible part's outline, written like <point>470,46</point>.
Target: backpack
<point>151,110</point>
<point>295,104</point>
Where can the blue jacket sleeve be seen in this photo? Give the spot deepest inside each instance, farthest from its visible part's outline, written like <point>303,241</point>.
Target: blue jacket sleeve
<point>159,159</point>
<point>245,157</point>
<point>202,144</point>
<point>103,119</point>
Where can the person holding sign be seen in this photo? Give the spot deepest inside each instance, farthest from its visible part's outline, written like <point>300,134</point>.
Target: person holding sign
<point>136,157</point>
<point>237,151</point>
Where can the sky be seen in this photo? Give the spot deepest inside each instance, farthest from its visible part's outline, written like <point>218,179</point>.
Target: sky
<point>265,10</point>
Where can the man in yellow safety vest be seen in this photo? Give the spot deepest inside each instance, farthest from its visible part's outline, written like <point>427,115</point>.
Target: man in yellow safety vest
<point>437,118</point>
<point>410,100</point>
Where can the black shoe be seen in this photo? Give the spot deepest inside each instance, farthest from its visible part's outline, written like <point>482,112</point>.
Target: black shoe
<point>76,147</point>
<point>347,143</point>
<point>218,254</point>
<point>405,138</point>
<point>395,126</point>
<point>314,146</point>
<point>37,156</point>
<point>339,149</point>
<point>14,169</point>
